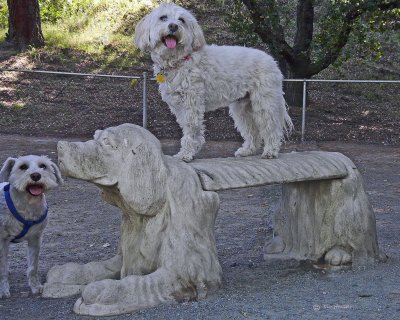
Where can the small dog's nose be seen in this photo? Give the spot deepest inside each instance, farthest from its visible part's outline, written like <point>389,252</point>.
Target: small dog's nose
<point>173,27</point>
<point>36,176</point>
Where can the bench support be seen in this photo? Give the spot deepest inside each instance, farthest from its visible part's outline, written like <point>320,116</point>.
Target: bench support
<point>329,221</point>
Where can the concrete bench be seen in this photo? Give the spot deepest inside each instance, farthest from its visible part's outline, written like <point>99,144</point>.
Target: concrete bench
<point>324,213</point>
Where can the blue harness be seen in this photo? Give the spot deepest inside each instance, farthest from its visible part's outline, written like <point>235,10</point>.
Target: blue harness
<point>27,223</point>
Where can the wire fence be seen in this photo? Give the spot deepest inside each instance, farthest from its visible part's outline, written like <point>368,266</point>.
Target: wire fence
<point>145,79</point>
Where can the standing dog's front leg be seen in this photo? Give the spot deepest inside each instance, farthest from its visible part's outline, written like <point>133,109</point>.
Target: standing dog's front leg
<point>190,117</point>
<point>32,272</point>
<point>4,286</point>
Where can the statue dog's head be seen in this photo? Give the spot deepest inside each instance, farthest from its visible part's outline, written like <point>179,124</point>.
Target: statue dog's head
<point>126,162</point>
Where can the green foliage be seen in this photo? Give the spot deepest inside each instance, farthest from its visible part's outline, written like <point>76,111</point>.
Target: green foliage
<point>3,14</point>
<point>328,21</point>
<point>130,19</point>
<point>101,29</point>
<point>241,24</point>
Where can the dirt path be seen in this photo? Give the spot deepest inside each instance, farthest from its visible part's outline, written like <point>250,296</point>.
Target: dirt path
<point>82,228</point>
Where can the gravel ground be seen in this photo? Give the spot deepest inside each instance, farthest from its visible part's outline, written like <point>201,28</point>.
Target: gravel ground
<point>82,228</point>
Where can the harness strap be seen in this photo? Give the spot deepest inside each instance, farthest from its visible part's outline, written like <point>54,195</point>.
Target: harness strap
<point>27,223</point>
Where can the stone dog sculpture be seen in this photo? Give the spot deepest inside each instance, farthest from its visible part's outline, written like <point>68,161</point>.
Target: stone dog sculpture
<point>167,248</point>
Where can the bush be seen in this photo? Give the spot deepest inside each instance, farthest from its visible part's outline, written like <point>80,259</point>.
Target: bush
<point>3,14</point>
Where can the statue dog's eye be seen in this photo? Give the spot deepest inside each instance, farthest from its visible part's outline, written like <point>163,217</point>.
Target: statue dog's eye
<point>107,142</point>
<point>163,18</point>
<point>181,20</point>
<point>23,167</point>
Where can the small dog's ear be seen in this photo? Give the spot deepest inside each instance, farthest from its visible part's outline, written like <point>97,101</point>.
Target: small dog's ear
<point>6,169</point>
<point>57,173</point>
<point>142,34</point>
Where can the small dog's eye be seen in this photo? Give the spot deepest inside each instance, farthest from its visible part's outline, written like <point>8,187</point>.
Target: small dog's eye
<point>181,20</point>
<point>23,167</point>
<point>42,166</point>
<point>163,18</point>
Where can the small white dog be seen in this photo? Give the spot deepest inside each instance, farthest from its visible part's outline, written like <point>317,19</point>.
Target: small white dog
<point>195,78</point>
<point>23,211</point>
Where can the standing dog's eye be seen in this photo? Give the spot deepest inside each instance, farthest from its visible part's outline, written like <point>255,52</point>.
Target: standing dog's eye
<point>42,166</point>
<point>163,18</point>
<point>181,20</point>
<point>23,167</point>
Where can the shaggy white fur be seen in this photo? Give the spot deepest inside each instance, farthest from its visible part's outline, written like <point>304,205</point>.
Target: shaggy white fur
<point>195,78</point>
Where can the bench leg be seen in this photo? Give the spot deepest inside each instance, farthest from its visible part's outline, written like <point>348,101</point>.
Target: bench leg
<point>329,221</point>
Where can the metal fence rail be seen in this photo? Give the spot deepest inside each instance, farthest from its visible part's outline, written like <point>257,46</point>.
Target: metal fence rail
<point>144,77</point>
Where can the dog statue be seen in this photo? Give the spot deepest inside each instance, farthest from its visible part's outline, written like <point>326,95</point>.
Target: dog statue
<point>23,211</point>
<point>167,247</point>
<point>195,78</point>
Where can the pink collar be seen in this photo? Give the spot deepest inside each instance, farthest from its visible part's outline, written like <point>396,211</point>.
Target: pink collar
<point>185,58</point>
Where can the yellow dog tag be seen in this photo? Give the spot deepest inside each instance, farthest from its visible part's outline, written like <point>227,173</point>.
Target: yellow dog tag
<point>160,77</point>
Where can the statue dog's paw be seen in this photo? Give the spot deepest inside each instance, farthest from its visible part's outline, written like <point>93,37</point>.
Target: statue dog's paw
<point>337,256</point>
<point>106,298</point>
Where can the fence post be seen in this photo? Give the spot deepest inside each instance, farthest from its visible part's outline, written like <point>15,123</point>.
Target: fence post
<point>303,114</point>
<point>145,100</point>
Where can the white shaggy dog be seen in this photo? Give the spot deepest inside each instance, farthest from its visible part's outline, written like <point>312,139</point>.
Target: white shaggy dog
<point>23,211</point>
<point>195,78</point>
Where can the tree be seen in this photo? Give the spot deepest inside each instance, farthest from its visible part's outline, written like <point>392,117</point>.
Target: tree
<point>317,40</point>
<point>24,24</point>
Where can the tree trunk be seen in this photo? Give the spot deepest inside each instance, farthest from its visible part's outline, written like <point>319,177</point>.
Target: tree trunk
<point>293,93</point>
<point>293,89</point>
<point>24,24</point>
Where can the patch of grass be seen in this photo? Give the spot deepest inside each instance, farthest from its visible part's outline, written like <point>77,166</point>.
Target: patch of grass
<point>18,105</point>
<point>102,34</point>
<point>3,35</point>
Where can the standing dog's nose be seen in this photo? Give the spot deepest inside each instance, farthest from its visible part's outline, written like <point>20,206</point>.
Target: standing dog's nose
<point>36,176</point>
<point>173,27</point>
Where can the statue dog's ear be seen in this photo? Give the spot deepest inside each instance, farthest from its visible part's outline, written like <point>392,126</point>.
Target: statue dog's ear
<point>57,173</point>
<point>143,182</point>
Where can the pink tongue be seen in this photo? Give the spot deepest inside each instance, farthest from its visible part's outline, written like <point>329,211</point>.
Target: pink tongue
<point>35,190</point>
<point>170,42</point>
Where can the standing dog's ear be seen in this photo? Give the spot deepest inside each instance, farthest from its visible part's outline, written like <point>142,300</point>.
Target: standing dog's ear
<point>6,169</point>
<point>142,34</point>
<point>198,37</point>
<point>57,173</point>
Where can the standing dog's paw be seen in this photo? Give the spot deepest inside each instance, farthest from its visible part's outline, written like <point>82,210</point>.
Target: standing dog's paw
<point>4,291</point>
<point>184,155</point>
<point>37,289</point>
<point>269,155</point>
<point>34,284</point>
<point>245,152</point>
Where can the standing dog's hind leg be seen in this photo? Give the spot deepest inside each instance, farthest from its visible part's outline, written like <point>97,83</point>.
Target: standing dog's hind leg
<point>241,113</point>
<point>269,115</point>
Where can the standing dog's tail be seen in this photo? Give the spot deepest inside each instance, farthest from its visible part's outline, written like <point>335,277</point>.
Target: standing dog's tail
<point>287,124</point>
